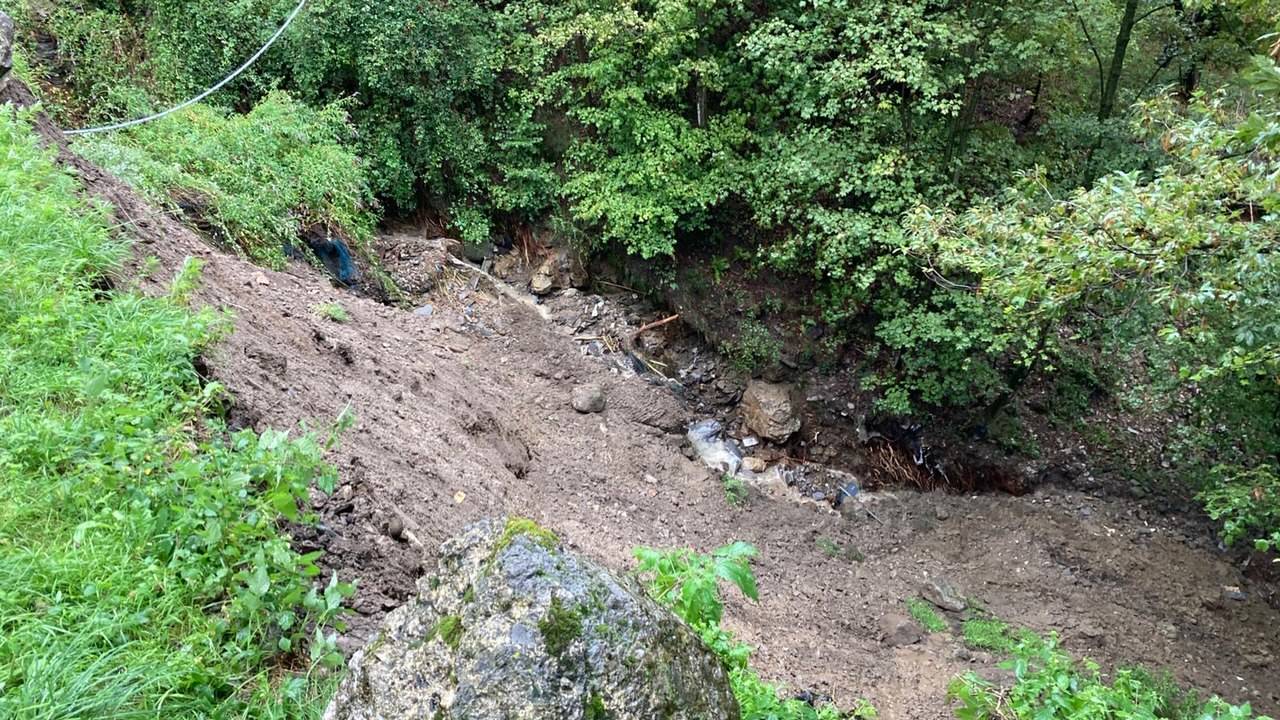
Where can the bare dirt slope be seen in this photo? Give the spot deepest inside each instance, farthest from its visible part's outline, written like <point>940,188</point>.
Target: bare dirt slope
<point>466,415</point>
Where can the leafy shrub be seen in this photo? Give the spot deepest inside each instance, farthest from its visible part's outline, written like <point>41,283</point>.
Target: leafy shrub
<point>688,583</point>
<point>753,347</point>
<point>1187,250</point>
<point>258,179</point>
<point>1247,502</point>
<point>144,569</point>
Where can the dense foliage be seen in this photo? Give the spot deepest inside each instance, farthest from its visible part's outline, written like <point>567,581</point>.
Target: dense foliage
<point>648,121</point>
<point>1176,269</point>
<point>143,569</point>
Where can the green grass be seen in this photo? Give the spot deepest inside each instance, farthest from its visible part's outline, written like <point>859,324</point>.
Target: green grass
<point>1050,683</point>
<point>258,180</point>
<point>989,634</point>
<point>924,614</point>
<point>835,550</point>
<point>332,311</point>
<point>142,569</point>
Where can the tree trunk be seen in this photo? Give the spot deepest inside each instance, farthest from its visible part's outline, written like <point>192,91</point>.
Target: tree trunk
<point>1020,374</point>
<point>1190,76</point>
<point>1107,105</point>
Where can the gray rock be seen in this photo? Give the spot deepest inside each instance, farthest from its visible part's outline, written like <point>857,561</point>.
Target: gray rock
<point>395,528</point>
<point>6,44</point>
<point>898,630</point>
<point>944,595</point>
<point>512,626</point>
<point>770,410</point>
<point>425,311</point>
<point>588,398</point>
<point>561,269</point>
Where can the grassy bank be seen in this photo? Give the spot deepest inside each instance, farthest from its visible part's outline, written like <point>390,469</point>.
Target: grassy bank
<point>143,572</point>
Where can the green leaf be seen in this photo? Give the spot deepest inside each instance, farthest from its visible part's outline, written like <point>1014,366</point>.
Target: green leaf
<point>259,582</point>
<point>738,573</point>
<point>285,504</point>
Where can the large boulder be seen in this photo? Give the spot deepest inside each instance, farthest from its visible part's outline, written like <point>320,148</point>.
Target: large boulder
<point>512,626</point>
<point>770,410</point>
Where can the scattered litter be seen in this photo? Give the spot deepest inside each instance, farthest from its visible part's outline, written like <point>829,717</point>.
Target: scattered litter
<point>717,453</point>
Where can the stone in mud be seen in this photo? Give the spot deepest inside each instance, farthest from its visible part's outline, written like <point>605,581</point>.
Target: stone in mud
<point>560,269</point>
<point>899,630</point>
<point>588,398</point>
<point>513,626</point>
<point>944,595</point>
<point>770,410</point>
<point>6,44</point>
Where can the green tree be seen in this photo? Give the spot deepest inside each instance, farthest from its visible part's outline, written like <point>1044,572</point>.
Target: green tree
<point>1191,251</point>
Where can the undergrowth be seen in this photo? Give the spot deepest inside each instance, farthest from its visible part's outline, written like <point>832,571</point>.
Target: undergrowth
<point>1247,502</point>
<point>143,569</point>
<point>258,180</point>
<point>1049,683</point>
<point>689,583</point>
<point>735,489</point>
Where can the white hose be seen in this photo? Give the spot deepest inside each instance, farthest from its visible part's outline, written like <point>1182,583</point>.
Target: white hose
<point>235,73</point>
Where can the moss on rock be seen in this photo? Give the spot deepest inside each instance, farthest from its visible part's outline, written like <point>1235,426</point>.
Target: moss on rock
<point>560,627</point>
<point>516,527</point>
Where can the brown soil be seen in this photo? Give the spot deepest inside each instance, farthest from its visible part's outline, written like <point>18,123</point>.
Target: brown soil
<point>466,414</point>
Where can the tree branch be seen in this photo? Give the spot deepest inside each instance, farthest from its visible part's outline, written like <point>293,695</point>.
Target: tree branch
<point>1093,47</point>
<point>1151,12</point>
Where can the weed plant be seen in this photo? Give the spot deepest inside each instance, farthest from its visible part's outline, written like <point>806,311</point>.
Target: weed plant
<point>689,583</point>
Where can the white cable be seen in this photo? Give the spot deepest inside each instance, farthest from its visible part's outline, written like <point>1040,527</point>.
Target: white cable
<point>203,95</point>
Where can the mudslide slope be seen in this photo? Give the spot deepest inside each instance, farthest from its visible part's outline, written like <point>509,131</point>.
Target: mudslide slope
<point>466,413</point>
